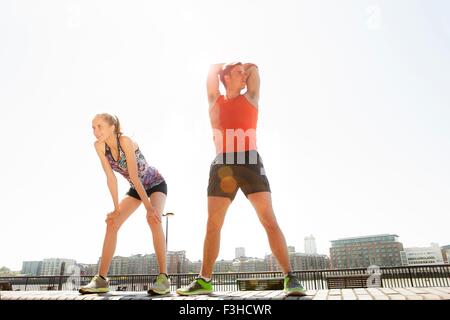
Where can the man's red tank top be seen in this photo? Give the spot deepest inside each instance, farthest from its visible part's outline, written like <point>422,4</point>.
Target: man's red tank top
<point>234,124</point>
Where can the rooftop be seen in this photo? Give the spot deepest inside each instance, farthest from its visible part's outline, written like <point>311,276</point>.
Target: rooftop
<point>382,238</point>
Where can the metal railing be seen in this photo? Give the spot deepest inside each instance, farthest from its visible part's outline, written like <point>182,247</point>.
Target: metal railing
<point>392,277</point>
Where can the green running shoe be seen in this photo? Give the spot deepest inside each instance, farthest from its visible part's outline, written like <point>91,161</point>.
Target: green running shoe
<point>97,285</point>
<point>292,286</point>
<point>198,286</point>
<point>161,285</point>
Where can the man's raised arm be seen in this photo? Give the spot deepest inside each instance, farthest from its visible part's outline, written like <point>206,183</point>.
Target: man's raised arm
<point>212,83</point>
<point>253,81</point>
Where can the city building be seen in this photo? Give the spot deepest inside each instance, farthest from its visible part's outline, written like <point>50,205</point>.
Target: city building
<point>299,261</point>
<point>135,264</point>
<point>177,262</point>
<point>195,266</point>
<point>310,245</point>
<point>239,252</point>
<point>248,265</point>
<point>304,261</point>
<point>223,266</point>
<point>422,255</point>
<point>271,263</point>
<point>362,252</point>
<point>31,268</point>
<point>52,267</point>
<point>87,269</point>
<point>446,253</point>
<point>118,266</point>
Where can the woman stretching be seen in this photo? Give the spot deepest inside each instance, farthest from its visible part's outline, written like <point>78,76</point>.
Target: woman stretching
<point>121,154</point>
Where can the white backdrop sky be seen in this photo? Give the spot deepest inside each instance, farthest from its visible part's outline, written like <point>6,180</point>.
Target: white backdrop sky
<point>354,119</point>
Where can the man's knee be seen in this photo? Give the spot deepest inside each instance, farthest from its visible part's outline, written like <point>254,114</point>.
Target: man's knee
<point>214,225</point>
<point>269,222</point>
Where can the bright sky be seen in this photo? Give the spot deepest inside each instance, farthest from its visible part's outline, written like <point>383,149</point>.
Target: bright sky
<point>354,119</point>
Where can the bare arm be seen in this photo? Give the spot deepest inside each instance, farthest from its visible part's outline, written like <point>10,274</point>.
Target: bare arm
<point>212,83</point>
<point>110,176</point>
<point>253,82</point>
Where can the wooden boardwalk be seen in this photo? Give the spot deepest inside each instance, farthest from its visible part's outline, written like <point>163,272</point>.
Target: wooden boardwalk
<point>436,293</point>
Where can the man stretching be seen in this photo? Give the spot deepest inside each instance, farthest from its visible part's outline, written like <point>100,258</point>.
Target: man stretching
<point>237,165</point>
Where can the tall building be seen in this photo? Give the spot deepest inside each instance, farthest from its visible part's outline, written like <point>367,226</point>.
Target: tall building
<point>362,252</point>
<point>31,268</point>
<point>310,245</point>
<point>239,252</point>
<point>177,262</point>
<point>446,253</point>
<point>291,249</point>
<point>52,267</point>
<point>421,256</point>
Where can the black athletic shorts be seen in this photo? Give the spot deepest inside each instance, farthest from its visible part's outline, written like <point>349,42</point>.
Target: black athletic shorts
<point>231,171</point>
<point>162,187</point>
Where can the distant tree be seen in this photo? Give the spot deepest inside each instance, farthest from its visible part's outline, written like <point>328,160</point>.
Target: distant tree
<point>6,272</point>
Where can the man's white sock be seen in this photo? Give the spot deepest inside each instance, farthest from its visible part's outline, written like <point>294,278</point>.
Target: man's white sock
<point>204,278</point>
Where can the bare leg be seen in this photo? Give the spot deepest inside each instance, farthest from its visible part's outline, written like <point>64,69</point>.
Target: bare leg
<point>217,208</point>
<point>127,207</point>
<point>158,199</point>
<point>262,202</point>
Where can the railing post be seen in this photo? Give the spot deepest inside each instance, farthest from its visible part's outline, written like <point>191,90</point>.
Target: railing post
<point>410,277</point>
<point>444,276</point>
<point>61,273</point>
<point>132,284</point>
<point>178,274</point>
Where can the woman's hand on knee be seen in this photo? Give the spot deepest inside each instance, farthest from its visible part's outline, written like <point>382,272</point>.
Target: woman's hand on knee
<point>153,216</point>
<point>111,217</point>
